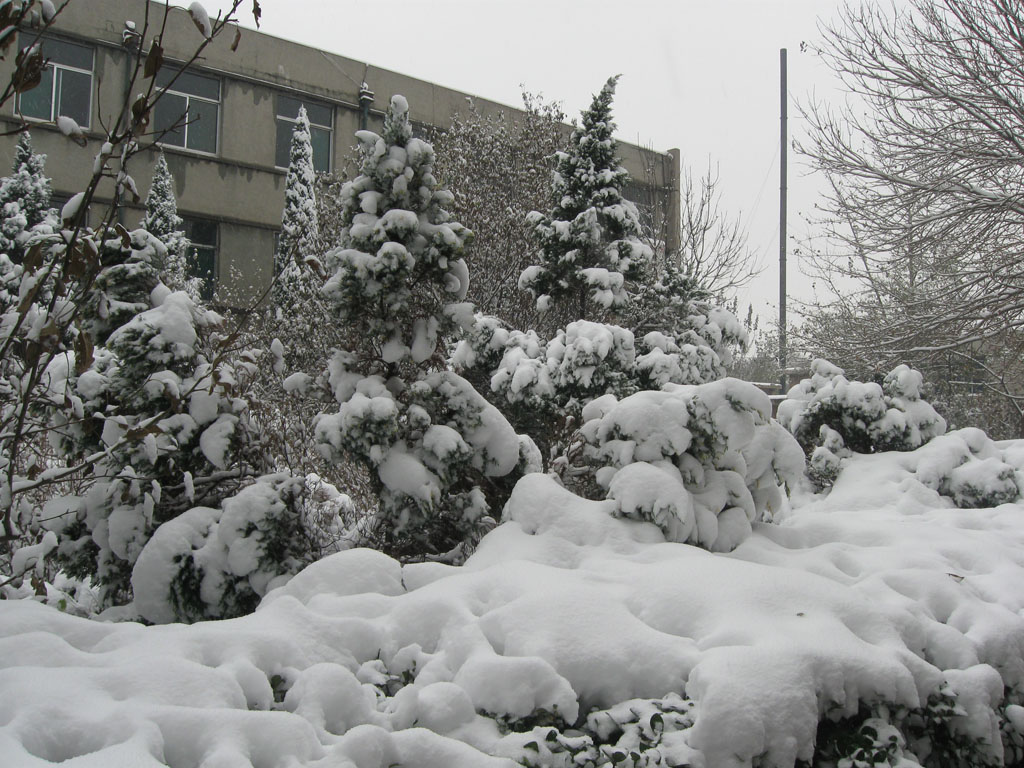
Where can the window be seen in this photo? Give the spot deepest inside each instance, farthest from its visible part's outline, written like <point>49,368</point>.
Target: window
<point>320,125</point>
<point>66,85</point>
<point>187,114</point>
<point>202,253</point>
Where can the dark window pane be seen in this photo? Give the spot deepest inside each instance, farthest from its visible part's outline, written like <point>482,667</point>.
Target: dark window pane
<point>74,95</point>
<point>318,114</point>
<point>198,85</point>
<point>202,253</point>
<point>62,52</point>
<point>283,146</point>
<point>287,106</point>
<point>168,113</point>
<point>189,82</point>
<point>164,75</point>
<point>202,125</point>
<point>321,141</point>
<point>201,232</point>
<point>36,103</point>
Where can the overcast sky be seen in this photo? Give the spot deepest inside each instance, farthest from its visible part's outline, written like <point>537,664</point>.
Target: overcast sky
<point>700,75</point>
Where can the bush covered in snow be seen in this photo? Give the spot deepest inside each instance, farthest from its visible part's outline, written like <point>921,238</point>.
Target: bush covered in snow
<point>964,466</point>
<point>162,221</point>
<point>832,417</point>
<point>430,442</point>
<point>155,422</point>
<point>217,563</point>
<point>701,462</point>
<point>24,199</point>
<point>544,385</point>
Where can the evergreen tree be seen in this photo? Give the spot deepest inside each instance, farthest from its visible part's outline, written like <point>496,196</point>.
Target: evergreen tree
<point>24,198</point>
<point>162,220</point>
<point>589,242</point>
<point>431,443</point>
<point>165,421</point>
<point>299,226</point>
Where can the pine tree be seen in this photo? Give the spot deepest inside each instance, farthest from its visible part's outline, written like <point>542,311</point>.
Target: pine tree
<point>165,421</point>
<point>427,437</point>
<point>163,221</point>
<point>299,226</point>
<point>589,242</point>
<point>24,198</point>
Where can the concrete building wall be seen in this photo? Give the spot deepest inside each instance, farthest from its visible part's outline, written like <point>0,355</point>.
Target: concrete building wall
<point>239,186</point>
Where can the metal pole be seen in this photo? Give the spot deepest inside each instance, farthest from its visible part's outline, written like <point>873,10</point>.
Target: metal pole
<point>365,100</point>
<point>782,223</point>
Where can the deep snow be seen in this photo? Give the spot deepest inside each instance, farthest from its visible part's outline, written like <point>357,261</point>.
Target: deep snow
<point>881,591</point>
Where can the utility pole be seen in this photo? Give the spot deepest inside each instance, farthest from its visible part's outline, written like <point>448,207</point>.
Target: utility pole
<point>782,222</point>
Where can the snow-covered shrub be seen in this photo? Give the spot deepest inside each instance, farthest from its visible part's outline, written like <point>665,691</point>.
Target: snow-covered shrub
<point>938,734</point>
<point>969,468</point>
<point>544,386</point>
<point>217,563</point>
<point>430,442</point>
<point>589,243</point>
<point>638,733</point>
<point>701,462</point>
<point>295,282</point>
<point>158,425</point>
<point>831,416</point>
<point>162,221</point>
<point>24,199</point>
<point>686,337</point>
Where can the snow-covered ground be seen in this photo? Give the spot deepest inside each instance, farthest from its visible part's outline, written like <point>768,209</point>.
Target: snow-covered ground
<point>880,592</point>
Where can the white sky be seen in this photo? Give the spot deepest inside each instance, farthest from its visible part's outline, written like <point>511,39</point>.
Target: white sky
<point>700,75</point>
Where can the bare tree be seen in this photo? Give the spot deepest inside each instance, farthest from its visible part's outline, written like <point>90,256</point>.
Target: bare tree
<point>713,244</point>
<point>927,159</point>
<point>923,221</point>
<point>499,169</point>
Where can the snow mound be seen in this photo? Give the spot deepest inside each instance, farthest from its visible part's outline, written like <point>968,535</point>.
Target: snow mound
<point>570,631</point>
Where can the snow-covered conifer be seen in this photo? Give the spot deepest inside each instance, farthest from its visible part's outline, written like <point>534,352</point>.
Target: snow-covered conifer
<point>701,462</point>
<point>832,417</point>
<point>684,335</point>
<point>216,563</point>
<point>427,437</point>
<point>24,198</point>
<point>543,385</point>
<point>589,244</point>
<point>163,221</point>
<point>162,422</point>
<point>299,226</point>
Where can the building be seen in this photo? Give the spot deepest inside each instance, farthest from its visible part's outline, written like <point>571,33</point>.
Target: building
<point>229,160</point>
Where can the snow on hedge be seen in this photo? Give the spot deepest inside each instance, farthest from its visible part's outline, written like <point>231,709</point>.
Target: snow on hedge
<point>832,417</point>
<point>570,635</point>
<point>702,462</point>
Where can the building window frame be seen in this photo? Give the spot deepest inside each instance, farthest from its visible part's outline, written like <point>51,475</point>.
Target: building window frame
<point>61,67</point>
<point>188,91</point>
<point>321,124</point>
<point>203,255</point>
